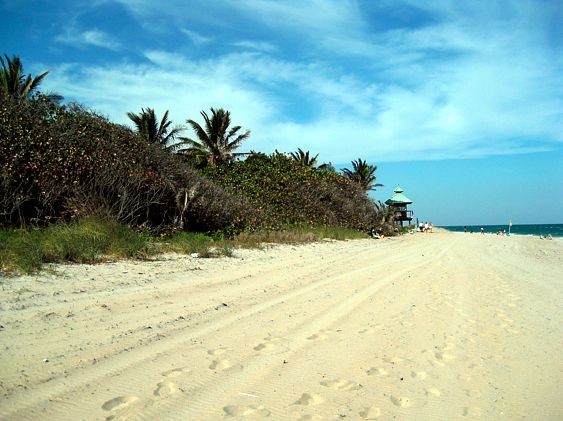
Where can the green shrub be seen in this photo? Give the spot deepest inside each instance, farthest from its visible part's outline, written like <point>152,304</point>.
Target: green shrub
<point>63,163</point>
<point>86,241</point>
<point>284,192</point>
<point>20,251</point>
<point>187,243</point>
<point>296,234</point>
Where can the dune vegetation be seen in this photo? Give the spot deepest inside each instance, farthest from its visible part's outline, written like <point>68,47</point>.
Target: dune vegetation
<point>69,174</point>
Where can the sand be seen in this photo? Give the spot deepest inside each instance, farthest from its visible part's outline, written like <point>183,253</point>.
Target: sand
<point>423,327</point>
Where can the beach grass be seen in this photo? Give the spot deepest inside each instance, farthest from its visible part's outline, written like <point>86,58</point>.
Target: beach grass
<point>88,241</point>
<point>187,243</point>
<point>296,235</point>
<point>92,241</point>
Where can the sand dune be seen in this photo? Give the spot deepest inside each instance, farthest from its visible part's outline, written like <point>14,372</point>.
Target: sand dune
<point>428,326</point>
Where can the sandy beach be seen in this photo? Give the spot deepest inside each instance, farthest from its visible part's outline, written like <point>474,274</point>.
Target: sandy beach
<point>422,327</point>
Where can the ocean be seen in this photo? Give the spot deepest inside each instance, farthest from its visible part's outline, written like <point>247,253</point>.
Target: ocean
<point>556,230</point>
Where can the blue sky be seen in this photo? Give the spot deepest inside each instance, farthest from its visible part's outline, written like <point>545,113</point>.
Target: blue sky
<point>461,103</point>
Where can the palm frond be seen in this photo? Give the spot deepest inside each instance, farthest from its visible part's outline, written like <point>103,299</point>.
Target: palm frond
<point>215,137</point>
<point>12,80</point>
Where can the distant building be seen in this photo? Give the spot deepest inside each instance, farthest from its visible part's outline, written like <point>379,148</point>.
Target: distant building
<point>398,202</point>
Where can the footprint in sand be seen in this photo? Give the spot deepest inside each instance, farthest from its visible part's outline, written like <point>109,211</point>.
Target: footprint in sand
<point>419,375</point>
<point>367,330</point>
<point>264,347</point>
<point>119,403</point>
<point>448,347</point>
<point>472,393</point>
<point>433,391</point>
<point>444,356</point>
<point>309,399</point>
<point>176,372</point>
<point>246,410</point>
<point>273,339</point>
<point>220,364</point>
<point>471,412</point>
<point>218,351</point>
<point>166,388</point>
<point>341,384</point>
<point>370,413</point>
<point>401,401</point>
<point>322,335</point>
<point>318,337</point>
<point>311,417</point>
<point>377,371</point>
<point>393,360</point>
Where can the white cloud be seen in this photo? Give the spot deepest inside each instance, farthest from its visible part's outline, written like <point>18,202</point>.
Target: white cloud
<point>85,38</point>
<point>475,81</point>
<point>195,38</point>
<point>255,45</point>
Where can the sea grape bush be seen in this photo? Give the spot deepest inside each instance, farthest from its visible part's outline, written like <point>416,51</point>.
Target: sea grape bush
<point>66,162</point>
<point>287,192</point>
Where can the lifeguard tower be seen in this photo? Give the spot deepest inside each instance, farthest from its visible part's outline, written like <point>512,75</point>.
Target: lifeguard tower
<point>398,202</point>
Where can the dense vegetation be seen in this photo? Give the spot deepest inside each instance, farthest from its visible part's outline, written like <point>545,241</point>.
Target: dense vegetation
<point>64,163</point>
<point>59,163</point>
<point>287,192</point>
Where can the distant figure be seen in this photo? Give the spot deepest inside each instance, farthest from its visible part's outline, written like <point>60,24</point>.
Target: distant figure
<point>482,230</point>
<point>425,226</point>
<point>549,237</point>
<point>421,227</point>
<point>376,235</point>
<point>465,229</point>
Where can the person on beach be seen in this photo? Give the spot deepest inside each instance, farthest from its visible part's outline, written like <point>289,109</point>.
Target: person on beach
<point>426,226</point>
<point>465,229</point>
<point>482,230</point>
<point>376,235</point>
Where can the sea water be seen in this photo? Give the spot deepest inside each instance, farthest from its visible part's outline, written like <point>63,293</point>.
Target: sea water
<point>556,230</point>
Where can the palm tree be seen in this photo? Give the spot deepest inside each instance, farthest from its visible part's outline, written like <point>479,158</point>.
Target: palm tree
<point>12,80</point>
<point>326,166</point>
<point>152,131</point>
<point>363,174</point>
<point>304,159</point>
<point>217,142</point>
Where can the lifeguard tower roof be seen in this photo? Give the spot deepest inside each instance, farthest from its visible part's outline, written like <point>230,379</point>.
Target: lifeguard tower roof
<point>398,198</point>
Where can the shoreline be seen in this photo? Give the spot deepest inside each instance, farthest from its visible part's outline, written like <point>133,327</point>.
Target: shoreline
<point>528,236</point>
<point>420,326</point>
<point>556,230</point>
